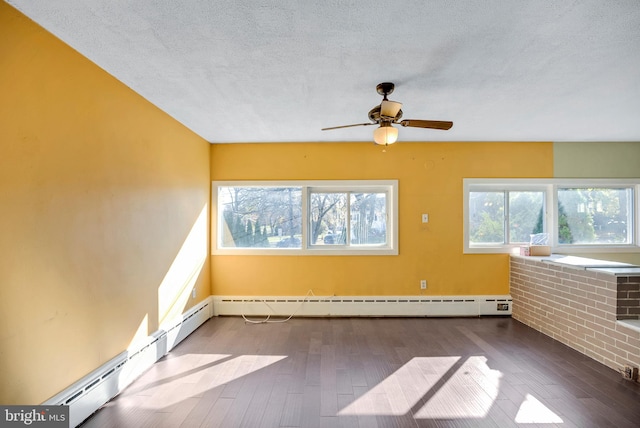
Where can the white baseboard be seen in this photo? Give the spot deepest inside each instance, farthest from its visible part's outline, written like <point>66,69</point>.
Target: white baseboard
<point>88,394</point>
<point>367,306</point>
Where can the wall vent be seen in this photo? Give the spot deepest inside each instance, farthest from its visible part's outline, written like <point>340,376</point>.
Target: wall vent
<point>88,394</point>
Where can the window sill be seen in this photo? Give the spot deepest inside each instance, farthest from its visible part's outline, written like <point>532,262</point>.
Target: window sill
<point>561,249</point>
<point>304,252</point>
<point>631,324</point>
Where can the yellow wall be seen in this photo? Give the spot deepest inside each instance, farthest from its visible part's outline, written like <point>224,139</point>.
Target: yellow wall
<point>104,207</point>
<point>98,193</point>
<point>429,181</point>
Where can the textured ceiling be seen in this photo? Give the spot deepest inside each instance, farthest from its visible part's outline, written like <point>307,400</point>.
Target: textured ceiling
<point>265,71</point>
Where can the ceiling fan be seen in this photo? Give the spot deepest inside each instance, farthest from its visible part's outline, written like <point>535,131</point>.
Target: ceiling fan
<point>389,113</point>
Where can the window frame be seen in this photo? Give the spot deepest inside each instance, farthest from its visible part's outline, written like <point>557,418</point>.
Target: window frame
<point>550,188</point>
<point>390,187</point>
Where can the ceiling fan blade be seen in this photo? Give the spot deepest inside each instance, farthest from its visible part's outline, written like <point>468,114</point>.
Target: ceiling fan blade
<point>433,124</point>
<point>348,126</point>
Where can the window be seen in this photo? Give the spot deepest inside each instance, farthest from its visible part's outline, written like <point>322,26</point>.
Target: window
<point>354,219</point>
<point>260,216</point>
<point>316,217</point>
<point>599,215</point>
<point>505,217</point>
<point>594,216</point>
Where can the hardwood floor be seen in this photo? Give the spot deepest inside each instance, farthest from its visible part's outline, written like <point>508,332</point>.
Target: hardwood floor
<point>374,372</point>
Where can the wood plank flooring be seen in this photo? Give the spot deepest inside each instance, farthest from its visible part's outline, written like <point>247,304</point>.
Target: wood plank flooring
<point>373,372</point>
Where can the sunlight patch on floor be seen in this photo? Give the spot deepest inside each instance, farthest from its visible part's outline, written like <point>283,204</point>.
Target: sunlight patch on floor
<point>403,389</point>
<point>532,411</point>
<point>162,372</point>
<point>469,392</point>
<point>433,388</point>
<point>207,372</point>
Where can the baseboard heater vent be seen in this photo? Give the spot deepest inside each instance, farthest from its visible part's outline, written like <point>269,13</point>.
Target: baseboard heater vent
<point>372,306</point>
<point>88,394</point>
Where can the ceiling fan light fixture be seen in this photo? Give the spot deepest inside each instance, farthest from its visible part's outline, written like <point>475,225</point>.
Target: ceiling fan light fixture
<point>390,109</point>
<point>385,134</point>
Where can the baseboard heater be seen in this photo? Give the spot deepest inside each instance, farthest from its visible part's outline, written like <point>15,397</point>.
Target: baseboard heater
<point>365,306</point>
<point>88,394</point>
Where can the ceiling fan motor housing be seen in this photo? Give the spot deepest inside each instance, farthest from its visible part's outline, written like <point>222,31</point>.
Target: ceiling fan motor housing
<point>385,88</point>
<point>374,115</point>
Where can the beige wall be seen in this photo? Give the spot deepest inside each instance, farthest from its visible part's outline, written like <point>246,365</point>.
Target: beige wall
<point>429,181</point>
<point>99,191</point>
<point>596,160</point>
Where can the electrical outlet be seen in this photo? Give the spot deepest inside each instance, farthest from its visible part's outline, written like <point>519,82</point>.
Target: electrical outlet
<point>630,373</point>
<point>193,293</point>
<point>423,284</point>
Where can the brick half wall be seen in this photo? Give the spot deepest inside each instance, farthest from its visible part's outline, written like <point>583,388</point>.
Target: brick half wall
<point>628,298</point>
<point>579,308</point>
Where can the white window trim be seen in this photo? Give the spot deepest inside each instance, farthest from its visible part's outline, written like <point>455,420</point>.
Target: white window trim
<point>389,186</point>
<point>550,186</point>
